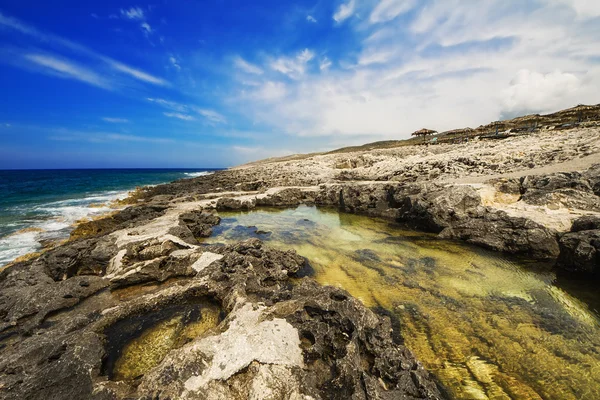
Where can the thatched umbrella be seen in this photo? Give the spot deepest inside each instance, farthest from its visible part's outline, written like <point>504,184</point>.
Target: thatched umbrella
<point>424,132</point>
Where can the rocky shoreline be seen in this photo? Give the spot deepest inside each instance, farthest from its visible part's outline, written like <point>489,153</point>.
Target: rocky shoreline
<point>68,314</point>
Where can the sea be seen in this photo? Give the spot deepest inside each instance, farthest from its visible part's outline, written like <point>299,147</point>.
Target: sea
<point>38,206</point>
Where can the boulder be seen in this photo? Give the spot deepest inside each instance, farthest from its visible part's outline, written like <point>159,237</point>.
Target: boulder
<point>580,252</point>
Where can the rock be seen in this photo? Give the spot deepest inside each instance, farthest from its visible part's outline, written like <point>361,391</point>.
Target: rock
<point>200,223</point>
<point>277,340</point>
<point>586,223</point>
<point>580,252</point>
<point>498,231</point>
<point>290,197</point>
<point>229,203</point>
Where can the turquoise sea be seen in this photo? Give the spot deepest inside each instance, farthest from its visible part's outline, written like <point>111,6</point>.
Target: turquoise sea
<point>52,200</point>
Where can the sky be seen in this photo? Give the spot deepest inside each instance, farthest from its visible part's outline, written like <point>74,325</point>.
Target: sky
<point>215,83</point>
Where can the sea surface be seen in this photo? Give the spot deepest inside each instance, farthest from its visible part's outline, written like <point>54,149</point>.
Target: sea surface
<point>41,205</point>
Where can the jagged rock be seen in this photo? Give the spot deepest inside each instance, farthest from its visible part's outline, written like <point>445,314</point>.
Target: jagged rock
<point>200,223</point>
<point>586,223</point>
<point>500,232</point>
<point>580,252</point>
<point>229,203</point>
<point>284,198</point>
<point>277,340</point>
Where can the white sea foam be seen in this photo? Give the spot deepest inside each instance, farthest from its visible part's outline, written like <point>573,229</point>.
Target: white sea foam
<point>14,246</point>
<point>197,174</point>
<point>59,217</point>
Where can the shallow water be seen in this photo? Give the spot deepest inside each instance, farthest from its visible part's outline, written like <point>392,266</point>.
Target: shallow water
<point>488,326</point>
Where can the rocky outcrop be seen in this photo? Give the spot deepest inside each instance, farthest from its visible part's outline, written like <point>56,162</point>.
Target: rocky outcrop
<point>580,248</point>
<point>64,338</point>
<point>455,212</point>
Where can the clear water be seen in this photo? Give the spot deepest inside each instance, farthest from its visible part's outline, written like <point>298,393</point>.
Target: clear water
<point>488,326</point>
<point>37,205</point>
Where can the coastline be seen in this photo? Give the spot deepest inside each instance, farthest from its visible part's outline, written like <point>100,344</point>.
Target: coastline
<point>151,248</point>
<point>60,217</point>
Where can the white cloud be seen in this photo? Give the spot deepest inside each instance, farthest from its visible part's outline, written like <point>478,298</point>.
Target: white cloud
<point>115,120</point>
<point>344,11</point>
<point>135,13</point>
<point>175,63</point>
<point>324,64</point>
<point>171,105</point>
<point>270,91</point>
<point>387,10</point>
<point>66,135</point>
<point>312,19</point>
<point>247,67</point>
<point>146,28</point>
<point>453,66</point>
<point>584,8</point>
<point>212,116</point>
<point>67,69</point>
<point>293,67</point>
<point>375,57</point>
<point>136,73</point>
<point>181,116</point>
<point>531,90</point>
<point>43,37</point>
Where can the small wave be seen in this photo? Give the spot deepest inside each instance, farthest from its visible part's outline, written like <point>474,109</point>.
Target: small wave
<point>55,221</point>
<point>17,245</point>
<point>197,174</point>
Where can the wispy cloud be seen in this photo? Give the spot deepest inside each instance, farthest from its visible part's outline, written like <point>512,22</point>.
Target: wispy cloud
<point>387,10</point>
<point>212,116</point>
<point>294,67</point>
<point>175,63</point>
<point>312,19</point>
<point>66,135</point>
<point>67,69</point>
<point>247,67</point>
<point>184,117</point>
<point>325,64</point>
<point>135,13</point>
<point>48,38</point>
<point>115,120</point>
<point>344,11</point>
<point>171,105</point>
<point>146,28</point>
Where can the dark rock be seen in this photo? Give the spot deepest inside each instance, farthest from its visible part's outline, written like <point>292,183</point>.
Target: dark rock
<point>586,223</point>
<point>200,223</point>
<point>580,252</point>
<point>348,350</point>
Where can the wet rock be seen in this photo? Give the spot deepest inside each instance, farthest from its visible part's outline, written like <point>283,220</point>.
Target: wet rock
<point>200,223</point>
<point>580,251</point>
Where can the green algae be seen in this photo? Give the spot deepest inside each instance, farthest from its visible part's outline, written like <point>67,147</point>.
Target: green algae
<point>484,324</point>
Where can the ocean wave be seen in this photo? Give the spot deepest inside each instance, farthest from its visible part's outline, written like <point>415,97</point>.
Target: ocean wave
<point>17,245</point>
<point>197,174</point>
<point>55,221</point>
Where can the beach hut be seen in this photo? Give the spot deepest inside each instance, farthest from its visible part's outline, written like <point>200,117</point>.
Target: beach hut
<point>424,132</point>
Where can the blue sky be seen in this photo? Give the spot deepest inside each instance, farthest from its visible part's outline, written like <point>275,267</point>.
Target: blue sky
<point>220,82</point>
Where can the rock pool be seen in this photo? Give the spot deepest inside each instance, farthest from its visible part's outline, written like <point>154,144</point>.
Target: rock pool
<point>488,326</point>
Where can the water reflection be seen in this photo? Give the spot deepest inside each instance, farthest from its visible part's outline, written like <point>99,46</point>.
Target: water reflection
<point>485,325</point>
